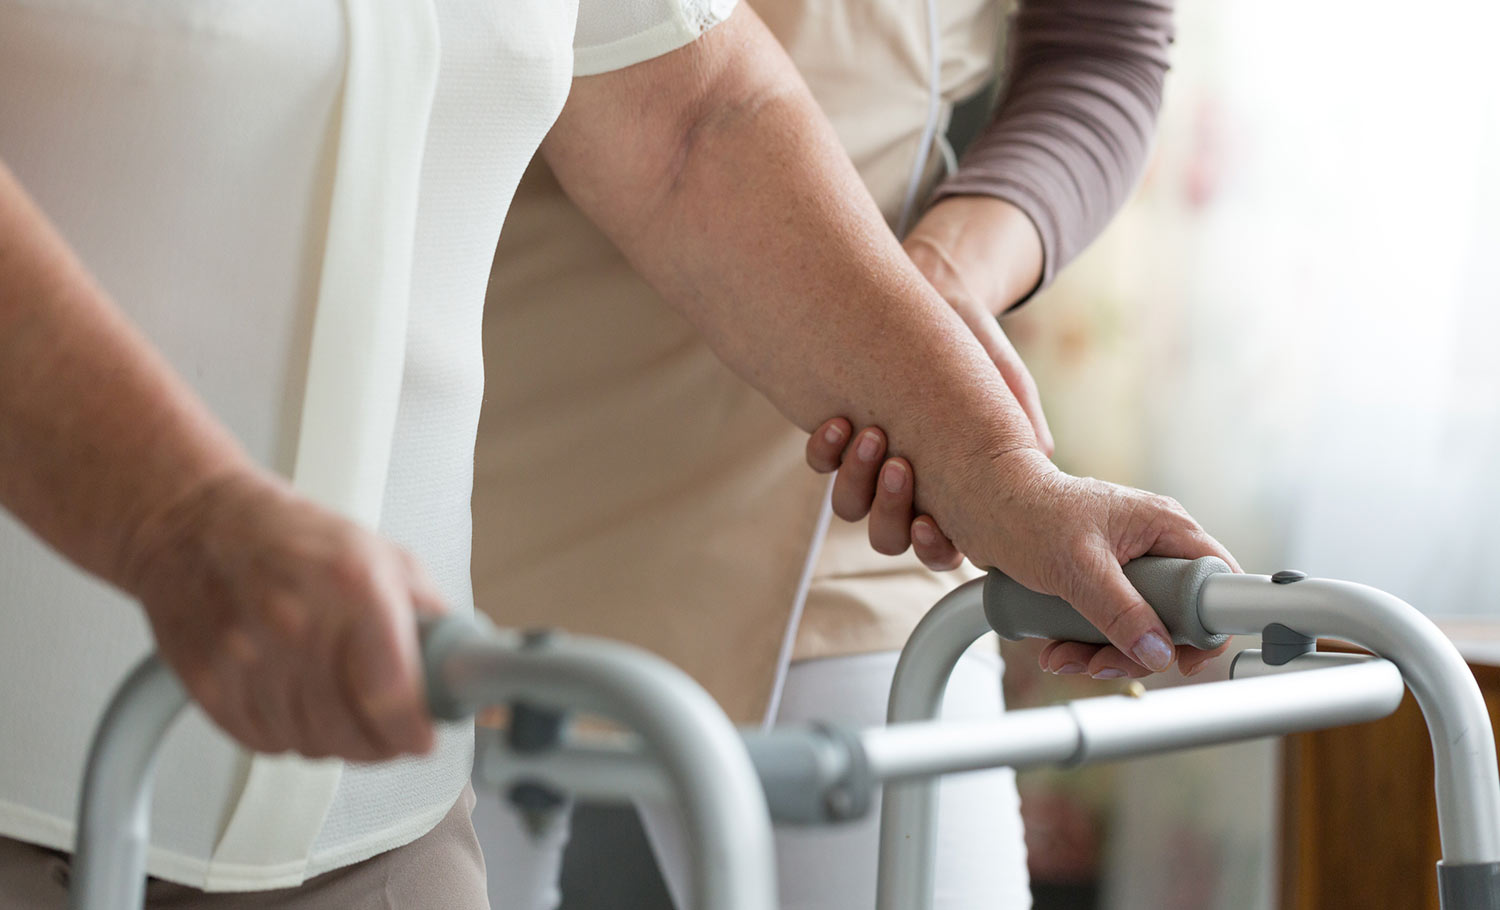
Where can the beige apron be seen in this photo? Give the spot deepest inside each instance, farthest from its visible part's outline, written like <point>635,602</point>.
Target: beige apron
<point>626,483</point>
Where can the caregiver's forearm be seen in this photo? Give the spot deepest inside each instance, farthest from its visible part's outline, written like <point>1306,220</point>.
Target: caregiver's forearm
<point>96,434</point>
<point>1071,134</point>
<point>715,172</point>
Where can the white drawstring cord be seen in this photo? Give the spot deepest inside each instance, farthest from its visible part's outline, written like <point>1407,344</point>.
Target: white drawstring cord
<point>929,130</point>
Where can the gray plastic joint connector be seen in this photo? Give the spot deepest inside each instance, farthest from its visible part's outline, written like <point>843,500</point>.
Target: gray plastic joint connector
<point>1473,886</point>
<point>533,729</point>
<point>437,638</point>
<point>1280,644</point>
<point>813,775</point>
<point>538,805</point>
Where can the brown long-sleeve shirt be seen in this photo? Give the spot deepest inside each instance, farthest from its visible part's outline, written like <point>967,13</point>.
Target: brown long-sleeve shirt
<point>1074,124</point>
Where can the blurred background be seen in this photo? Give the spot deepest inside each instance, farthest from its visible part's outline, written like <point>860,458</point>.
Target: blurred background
<point>1293,330</point>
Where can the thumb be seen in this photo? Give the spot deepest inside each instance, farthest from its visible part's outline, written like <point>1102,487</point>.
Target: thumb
<point>1109,601</point>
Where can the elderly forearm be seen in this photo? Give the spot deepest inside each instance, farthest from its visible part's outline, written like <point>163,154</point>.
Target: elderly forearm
<point>1073,129</point>
<point>728,190</point>
<point>96,434</point>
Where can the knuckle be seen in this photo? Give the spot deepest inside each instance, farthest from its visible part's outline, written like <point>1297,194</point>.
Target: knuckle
<point>1168,504</point>
<point>353,567</point>
<point>238,652</point>
<point>286,618</point>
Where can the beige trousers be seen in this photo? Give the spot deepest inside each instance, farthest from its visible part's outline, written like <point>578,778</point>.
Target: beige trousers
<point>441,869</point>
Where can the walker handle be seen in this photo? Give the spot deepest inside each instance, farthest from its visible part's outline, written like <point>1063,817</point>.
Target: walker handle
<point>1170,586</point>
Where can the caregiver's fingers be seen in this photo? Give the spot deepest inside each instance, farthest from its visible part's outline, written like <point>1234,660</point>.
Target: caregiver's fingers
<point>825,447</point>
<point>932,546</point>
<point>890,514</point>
<point>854,486</point>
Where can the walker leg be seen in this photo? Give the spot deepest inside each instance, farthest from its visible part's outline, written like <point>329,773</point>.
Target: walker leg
<point>908,810</point>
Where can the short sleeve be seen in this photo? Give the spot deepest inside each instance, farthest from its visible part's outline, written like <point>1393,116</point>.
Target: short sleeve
<point>613,34</point>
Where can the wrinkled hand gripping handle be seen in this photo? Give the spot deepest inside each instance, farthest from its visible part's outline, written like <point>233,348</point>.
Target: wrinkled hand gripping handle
<point>1170,586</point>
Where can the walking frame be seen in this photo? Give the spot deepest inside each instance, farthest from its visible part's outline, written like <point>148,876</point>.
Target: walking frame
<point>731,785</point>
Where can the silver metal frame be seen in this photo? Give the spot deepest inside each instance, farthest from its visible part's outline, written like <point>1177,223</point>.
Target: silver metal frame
<point>1420,656</point>
<point>700,752</point>
<point>681,745</point>
<point>114,810</point>
<point>701,758</point>
<point>1463,743</point>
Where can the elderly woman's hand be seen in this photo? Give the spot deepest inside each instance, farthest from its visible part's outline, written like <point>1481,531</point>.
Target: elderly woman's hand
<point>1059,535</point>
<point>293,628</point>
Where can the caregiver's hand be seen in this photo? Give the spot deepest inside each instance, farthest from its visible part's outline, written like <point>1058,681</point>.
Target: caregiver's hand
<point>983,255</point>
<point>292,627</point>
<point>867,483</point>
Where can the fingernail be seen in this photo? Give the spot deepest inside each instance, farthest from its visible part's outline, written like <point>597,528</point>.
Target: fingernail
<point>894,477</point>
<point>1109,673</point>
<point>869,447</point>
<point>1153,652</point>
<point>923,533</point>
<point>834,434</point>
<point>1071,668</point>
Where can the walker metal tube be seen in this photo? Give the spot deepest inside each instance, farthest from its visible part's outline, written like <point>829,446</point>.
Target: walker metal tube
<point>1114,727</point>
<point>1463,743</point>
<point>702,755</point>
<point>114,815</point>
<point>1248,663</point>
<point>617,774</point>
<point>908,809</point>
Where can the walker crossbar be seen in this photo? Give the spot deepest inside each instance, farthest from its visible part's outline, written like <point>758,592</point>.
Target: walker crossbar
<point>822,774</point>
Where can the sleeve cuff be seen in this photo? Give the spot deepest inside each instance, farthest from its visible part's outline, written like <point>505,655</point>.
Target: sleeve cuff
<point>685,27</point>
<point>1030,204</point>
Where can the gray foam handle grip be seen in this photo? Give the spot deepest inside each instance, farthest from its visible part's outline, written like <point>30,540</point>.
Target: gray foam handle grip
<point>1170,586</point>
